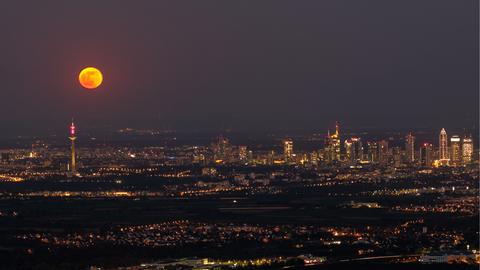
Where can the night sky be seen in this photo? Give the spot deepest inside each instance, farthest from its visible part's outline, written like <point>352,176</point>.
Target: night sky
<point>246,65</point>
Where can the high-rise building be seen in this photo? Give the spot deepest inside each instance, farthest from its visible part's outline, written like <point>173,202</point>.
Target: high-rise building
<point>250,156</point>
<point>348,145</point>
<point>426,154</point>
<point>358,147</point>
<point>383,153</point>
<point>288,150</point>
<point>333,145</point>
<point>443,154</point>
<point>455,150</point>
<point>314,158</point>
<point>410,148</point>
<point>467,150</point>
<point>270,157</point>
<point>242,153</point>
<point>373,152</point>
<point>221,150</point>
<point>336,143</point>
<point>327,152</point>
<point>72,137</point>
<point>353,149</point>
<point>397,157</point>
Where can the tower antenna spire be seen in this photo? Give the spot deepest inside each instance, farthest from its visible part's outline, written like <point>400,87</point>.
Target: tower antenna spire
<point>72,137</point>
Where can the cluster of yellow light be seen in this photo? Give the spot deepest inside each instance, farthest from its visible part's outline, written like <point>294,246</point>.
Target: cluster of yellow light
<point>90,194</point>
<point>436,163</point>
<point>122,193</point>
<point>212,191</point>
<point>9,178</point>
<point>244,263</point>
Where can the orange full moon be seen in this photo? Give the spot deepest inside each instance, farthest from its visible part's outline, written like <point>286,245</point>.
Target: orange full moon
<point>90,78</point>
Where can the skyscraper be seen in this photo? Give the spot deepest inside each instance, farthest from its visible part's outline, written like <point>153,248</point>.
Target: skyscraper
<point>73,164</point>
<point>288,150</point>
<point>348,145</point>
<point>410,148</point>
<point>455,150</point>
<point>271,157</point>
<point>443,154</point>
<point>242,153</point>
<point>221,150</point>
<point>314,158</point>
<point>467,150</point>
<point>426,154</point>
<point>383,153</point>
<point>373,151</point>
<point>336,142</point>
<point>333,145</point>
<point>354,149</point>
<point>397,156</point>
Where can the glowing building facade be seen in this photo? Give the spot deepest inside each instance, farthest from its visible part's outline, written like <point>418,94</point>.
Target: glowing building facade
<point>353,150</point>
<point>455,150</point>
<point>333,145</point>
<point>288,150</point>
<point>410,148</point>
<point>221,150</point>
<point>383,152</point>
<point>443,154</point>
<point>242,153</point>
<point>348,145</point>
<point>426,154</point>
<point>373,152</point>
<point>467,150</point>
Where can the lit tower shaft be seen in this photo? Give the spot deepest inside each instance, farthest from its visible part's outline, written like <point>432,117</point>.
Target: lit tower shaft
<point>443,147</point>
<point>336,142</point>
<point>72,138</point>
<point>410,147</point>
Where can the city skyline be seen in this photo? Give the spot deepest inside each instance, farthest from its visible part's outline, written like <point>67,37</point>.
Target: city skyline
<point>239,135</point>
<point>453,151</point>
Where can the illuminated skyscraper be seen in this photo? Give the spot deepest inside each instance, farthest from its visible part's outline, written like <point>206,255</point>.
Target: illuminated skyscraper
<point>314,158</point>
<point>373,152</point>
<point>383,153</point>
<point>410,148</point>
<point>73,164</point>
<point>354,149</point>
<point>467,150</point>
<point>443,154</point>
<point>358,146</point>
<point>348,145</point>
<point>456,151</point>
<point>426,154</point>
<point>242,153</point>
<point>336,142</point>
<point>397,157</point>
<point>221,150</point>
<point>288,150</point>
<point>333,145</point>
<point>327,156</point>
<point>271,157</point>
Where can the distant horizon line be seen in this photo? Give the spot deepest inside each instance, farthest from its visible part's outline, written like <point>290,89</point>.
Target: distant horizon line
<point>343,129</point>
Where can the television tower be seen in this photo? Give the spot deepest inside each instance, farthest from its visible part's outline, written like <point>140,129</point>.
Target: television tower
<point>72,139</point>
